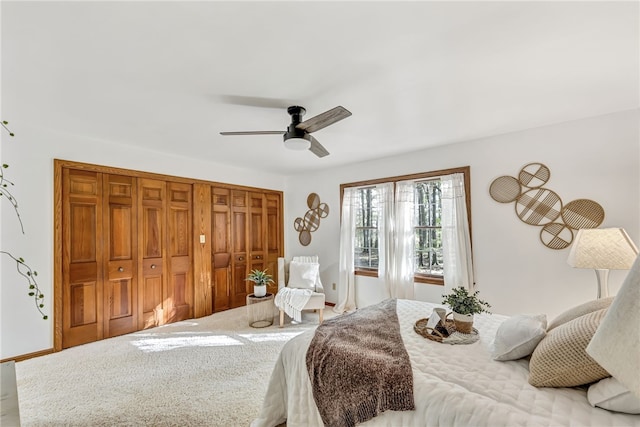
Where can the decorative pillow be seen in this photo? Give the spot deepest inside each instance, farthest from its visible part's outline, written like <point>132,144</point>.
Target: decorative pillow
<point>303,275</point>
<point>561,360</point>
<point>580,310</point>
<point>610,394</point>
<point>518,336</point>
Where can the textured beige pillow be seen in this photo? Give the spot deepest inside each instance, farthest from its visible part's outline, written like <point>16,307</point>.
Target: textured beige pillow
<point>580,310</point>
<point>561,360</point>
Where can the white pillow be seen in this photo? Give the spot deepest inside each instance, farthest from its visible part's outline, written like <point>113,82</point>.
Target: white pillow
<point>303,275</point>
<point>518,336</point>
<point>610,394</point>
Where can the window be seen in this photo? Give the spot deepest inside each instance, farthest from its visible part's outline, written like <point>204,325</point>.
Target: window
<point>428,228</point>
<point>427,205</point>
<point>366,238</point>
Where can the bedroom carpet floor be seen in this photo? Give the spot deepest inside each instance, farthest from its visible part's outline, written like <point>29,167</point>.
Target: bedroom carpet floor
<point>211,371</point>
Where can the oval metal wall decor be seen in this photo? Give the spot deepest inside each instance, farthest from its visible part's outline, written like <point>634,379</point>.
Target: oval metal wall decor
<point>311,220</point>
<point>540,206</point>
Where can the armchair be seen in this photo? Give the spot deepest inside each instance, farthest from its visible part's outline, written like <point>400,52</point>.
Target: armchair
<point>299,288</point>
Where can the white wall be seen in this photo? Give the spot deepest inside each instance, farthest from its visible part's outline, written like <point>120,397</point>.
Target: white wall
<point>597,158</point>
<point>30,155</point>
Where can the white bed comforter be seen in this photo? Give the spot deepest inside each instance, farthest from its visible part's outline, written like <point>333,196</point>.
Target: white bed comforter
<point>454,385</point>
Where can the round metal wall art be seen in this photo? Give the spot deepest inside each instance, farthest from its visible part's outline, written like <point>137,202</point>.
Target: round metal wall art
<point>311,220</point>
<point>505,189</point>
<point>556,236</point>
<point>583,213</point>
<point>539,206</point>
<point>534,175</point>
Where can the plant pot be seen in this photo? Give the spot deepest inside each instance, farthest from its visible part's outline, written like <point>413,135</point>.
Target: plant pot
<point>463,322</point>
<point>259,291</point>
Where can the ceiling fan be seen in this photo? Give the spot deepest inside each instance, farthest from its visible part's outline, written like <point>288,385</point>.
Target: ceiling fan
<point>297,136</point>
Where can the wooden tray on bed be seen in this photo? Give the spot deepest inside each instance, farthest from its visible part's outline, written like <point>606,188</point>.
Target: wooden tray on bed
<point>448,336</point>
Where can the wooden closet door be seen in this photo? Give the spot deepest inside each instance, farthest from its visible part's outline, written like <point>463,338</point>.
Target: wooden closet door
<point>151,238</point>
<point>274,234</point>
<point>240,227</point>
<point>258,232</point>
<point>179,295</point>
<point>82,286</point>
<point>120,255</point>
<point>221,248</point>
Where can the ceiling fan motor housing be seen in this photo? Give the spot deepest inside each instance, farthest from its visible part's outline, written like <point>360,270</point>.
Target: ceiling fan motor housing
<point>293,132</point>
<point>296,112</point>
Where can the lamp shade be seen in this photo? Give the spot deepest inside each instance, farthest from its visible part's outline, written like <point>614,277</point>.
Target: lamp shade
<point>602,248</point>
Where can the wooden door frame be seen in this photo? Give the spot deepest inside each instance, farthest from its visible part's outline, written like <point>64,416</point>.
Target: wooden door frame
<point>201,262</point>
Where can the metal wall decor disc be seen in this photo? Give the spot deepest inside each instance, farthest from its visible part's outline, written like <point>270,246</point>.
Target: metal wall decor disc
<point>538,206</point>
<point>505,189</point>
<point>556,235</point>
<point>534,175</point>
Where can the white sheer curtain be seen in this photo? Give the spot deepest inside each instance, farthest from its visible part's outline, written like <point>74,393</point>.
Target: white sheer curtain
<point>456,237</point>
<point>399,244</point>
<point>386,231</point>
<point>346,275</point>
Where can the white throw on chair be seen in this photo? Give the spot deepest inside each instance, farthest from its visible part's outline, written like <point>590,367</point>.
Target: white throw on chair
<point>299,287</point>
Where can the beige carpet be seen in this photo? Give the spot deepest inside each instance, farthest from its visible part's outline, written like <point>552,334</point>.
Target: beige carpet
<point>211,371</point>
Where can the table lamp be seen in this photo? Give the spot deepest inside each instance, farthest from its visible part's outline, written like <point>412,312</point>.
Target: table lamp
<point>602,249</point>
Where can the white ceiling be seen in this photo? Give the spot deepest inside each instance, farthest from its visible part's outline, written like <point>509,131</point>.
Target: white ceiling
<point>170,76</point>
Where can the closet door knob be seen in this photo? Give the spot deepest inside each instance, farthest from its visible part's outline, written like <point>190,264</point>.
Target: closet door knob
<point>153,266</point>
<point>120,269</point>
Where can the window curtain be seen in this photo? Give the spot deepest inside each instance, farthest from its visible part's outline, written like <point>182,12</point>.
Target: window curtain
<point>346,275</point>
<point>456,237</point>
<point>386,230</point>
<point>398,245</point>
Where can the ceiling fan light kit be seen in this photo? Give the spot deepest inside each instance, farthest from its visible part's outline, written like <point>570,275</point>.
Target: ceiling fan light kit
<point>297,143</point>
<point>297,136</point>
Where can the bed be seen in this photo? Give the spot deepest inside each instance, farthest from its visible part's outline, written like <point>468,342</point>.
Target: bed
<point>453,385</point>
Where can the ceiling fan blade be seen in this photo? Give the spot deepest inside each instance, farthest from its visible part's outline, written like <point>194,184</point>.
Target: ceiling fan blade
<point>317,148</point>
<point>255,101</point>
<point>254,132</point>
<point>325,119</point>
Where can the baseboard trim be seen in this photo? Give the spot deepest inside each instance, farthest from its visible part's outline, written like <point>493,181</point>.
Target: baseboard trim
<point>28,356</point>
<point>332,304</point>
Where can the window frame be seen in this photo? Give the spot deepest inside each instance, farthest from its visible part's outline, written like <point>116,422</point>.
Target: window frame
<point>465,170</point>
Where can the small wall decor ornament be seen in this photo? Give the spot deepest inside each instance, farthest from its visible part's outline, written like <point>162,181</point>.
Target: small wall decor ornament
<point>540,206</point>
<point>311,220</point>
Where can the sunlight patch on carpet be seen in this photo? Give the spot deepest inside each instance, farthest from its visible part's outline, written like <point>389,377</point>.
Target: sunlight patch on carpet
<point>173,342</point>
<point>266,337</point>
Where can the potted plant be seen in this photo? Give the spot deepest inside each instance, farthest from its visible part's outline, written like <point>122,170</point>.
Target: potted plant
<point>464,306</point>
<point>260,280</point>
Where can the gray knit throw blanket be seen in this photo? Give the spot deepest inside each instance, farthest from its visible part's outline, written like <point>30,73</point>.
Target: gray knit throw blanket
<point>359,367</point>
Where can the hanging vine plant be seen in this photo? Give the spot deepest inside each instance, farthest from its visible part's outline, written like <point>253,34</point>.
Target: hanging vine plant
<point>21,266</point>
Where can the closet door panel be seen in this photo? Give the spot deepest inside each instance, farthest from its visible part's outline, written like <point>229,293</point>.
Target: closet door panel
<point>179,295</point>
<point>274,235</point>
<point>152,237</point>
<point>121,255</point>
<point>240,260</point>
<point>221,248</point>
<point>82,285</point>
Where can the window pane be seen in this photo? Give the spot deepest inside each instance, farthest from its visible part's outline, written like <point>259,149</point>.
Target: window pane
<point>428,234</point>
<point>366,238</point>
<point>428,251</point>
<point>428,203</point>
<point>367,208</point>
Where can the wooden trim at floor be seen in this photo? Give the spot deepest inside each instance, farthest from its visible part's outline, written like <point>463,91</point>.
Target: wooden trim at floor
<point>28,356</point>
<point>332,304</point>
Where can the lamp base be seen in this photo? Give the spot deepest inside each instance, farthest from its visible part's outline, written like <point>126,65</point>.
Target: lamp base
<point>603,286</point>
